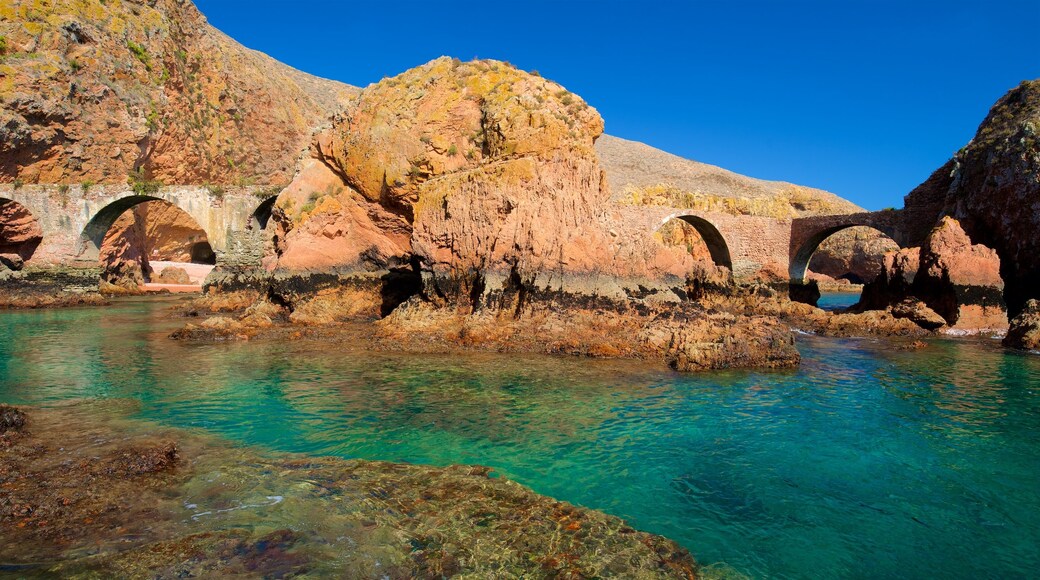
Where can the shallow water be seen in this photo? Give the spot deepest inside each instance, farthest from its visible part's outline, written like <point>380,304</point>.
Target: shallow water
<point>837,300</point>
<point>867,460</point>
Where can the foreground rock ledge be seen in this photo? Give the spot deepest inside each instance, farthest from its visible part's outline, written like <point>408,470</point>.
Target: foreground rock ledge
<point>83,494</point>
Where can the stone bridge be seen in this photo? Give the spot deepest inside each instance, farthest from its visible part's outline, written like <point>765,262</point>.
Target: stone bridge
<point>74,219</point>
<point>747,244</point>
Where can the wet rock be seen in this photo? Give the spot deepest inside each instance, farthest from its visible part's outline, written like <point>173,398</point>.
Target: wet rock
<point>918,313</point>
<point>11,419</point>
<point>1024,332</point>
<point>213,302</point>
<point>35,287</point>
<point>758,342</point>
<point>808,293</point>
<point>141,460</point>
<point>871,322</point>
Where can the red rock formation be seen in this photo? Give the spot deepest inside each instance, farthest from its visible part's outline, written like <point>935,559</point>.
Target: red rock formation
<point>486,175</point>
<point>475,168</point>
<point>20,233</point>
<point>855,254</point>
<point>94,91</point>
<point>954,278</point>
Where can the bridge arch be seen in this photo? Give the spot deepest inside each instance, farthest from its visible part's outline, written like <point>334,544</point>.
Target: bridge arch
<point>711,235</point>
<point>20,230</point>
<point>93,236</point>
<point>262,214</point>
<point>799,265</point>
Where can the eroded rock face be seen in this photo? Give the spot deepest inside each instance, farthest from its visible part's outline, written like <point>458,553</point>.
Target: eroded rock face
<point>992,186</point>
<point>20,232</point>
<point>93,91</point>
<point>951,277</point>
<point>479,172</point>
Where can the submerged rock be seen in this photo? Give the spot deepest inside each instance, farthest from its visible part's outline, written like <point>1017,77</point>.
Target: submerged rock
<point>83,497</point>
<point>11,418</point>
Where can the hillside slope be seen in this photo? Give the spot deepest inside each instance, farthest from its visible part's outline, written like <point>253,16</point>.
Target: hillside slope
<point>94,91</point>
<point>637,173</point>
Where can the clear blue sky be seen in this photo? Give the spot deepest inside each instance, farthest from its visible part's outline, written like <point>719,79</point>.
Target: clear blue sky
<point>862,98</point>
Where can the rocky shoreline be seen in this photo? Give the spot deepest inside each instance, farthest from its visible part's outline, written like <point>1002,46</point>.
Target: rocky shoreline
<point>84,492</point>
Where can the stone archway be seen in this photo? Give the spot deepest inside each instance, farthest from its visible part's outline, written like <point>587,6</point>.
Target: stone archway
<point>799,265</point>
<point>712,237</point>
<point>20,234</point>
<point>93,235</point>
<point>262,215</point>
<point>144,240</point>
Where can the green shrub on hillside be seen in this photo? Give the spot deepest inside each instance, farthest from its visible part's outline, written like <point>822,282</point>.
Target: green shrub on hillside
<point>141,185</point>
<point>141,53</point>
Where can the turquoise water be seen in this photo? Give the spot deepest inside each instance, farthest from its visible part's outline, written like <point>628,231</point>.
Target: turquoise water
<point>867,461</point>
<point>837,300</point>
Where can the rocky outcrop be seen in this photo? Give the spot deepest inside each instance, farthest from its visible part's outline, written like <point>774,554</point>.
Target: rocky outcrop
<point>1024,332</point>
<point>478,172</point>
<point>34,287</point>
<point>172,275</point>
<point>992,186</point>
<point>20,232</point>
<point>949,276</point>
<point>95,92</point>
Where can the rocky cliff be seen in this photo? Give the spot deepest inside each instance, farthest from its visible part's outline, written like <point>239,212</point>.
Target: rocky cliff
<point>94,91</point>
<point>992,186</point>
